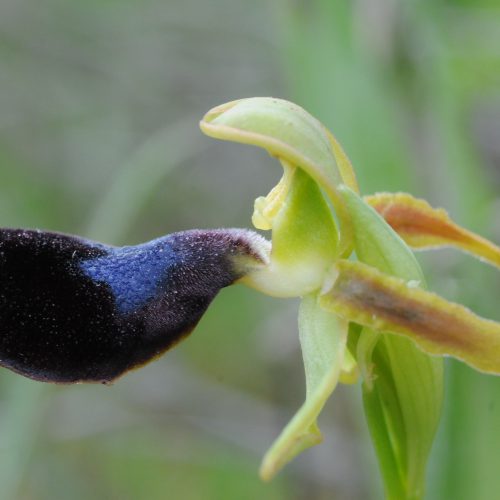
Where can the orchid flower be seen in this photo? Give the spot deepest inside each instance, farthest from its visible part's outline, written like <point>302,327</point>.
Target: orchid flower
<point>365,310</point>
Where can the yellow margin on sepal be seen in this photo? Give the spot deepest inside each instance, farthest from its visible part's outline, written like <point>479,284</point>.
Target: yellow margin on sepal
<point>422,226</point>
<point>386,304</point>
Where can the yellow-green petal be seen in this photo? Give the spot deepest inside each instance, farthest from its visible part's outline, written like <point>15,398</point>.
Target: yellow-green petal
<point>323,339</point>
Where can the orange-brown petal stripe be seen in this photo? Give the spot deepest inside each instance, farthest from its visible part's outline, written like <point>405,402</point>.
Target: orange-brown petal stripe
<point>422,226</point>
<point>366,296</point>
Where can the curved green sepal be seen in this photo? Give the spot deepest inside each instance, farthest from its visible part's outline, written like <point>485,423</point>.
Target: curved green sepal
<point>288,132</point>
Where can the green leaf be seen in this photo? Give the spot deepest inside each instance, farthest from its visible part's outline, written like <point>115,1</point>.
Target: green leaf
<point>403,395</point>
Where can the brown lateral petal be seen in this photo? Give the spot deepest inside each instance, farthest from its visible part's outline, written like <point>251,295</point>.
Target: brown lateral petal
<point>422,226</point>
<point>366,296</point>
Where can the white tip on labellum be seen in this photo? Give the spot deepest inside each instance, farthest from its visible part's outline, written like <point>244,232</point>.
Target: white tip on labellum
<point>257,250</point>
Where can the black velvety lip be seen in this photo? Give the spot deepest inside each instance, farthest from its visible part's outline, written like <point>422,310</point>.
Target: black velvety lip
<point>74,310</point>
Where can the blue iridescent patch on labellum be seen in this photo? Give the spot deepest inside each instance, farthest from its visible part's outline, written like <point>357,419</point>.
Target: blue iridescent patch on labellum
<point>73,310</point>
<point>135,273</point>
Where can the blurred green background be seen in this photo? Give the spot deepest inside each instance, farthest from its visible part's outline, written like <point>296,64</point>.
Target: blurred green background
<point>99,104</point>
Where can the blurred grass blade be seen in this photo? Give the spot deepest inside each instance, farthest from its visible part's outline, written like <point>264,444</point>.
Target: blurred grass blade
<point>422,226</point>
<point>323,338</point>
<point>140,176</point>
<point>25,402</point>
<point>388,304</point>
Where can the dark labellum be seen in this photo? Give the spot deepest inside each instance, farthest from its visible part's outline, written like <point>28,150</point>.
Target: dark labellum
<point>73,310</point>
